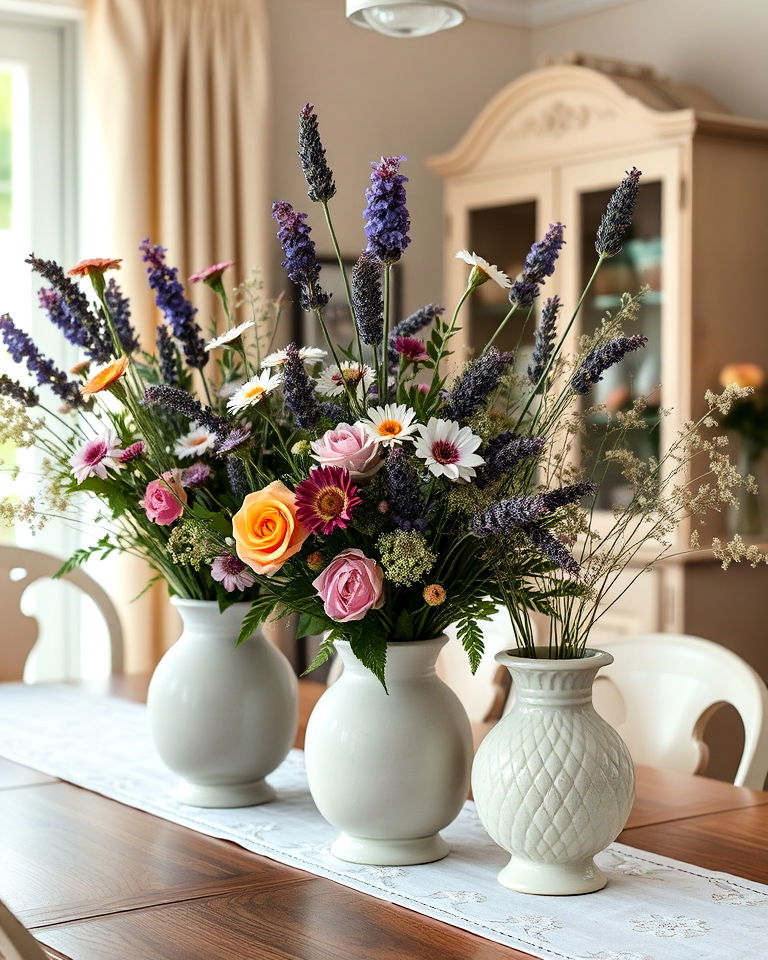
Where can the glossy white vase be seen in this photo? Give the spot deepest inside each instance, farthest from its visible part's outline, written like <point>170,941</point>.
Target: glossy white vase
<point>222,717</point>
<point>389,771</point>
<point>553,782</point>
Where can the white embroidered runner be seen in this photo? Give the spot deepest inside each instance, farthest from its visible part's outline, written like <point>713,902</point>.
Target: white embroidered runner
<point>653,908</point>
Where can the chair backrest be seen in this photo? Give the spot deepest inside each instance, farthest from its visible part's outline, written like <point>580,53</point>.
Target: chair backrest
<point>19,632</point>
<point>16,942</point>
<point>662,689</point>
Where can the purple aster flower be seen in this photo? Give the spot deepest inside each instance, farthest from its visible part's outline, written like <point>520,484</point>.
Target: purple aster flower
<point>300,260</point>
<point>237,478</point>
<point>406,328</point>
<point>195,476</point>
<point>120,311</point>
<point>167,356</point>
<point>131,453</point>
<point>179,401</point>
<point>299,390</point>
<point>21,348</point>
<point>539,264</point>
<point>386,216</point>
<point>233,440</point>
<point>72,312</point>
<point>405,500</point>
<point>317,173</point>
<point>367,298</point>
<point>177,310</point>
<point>474,386</point>
<point>13,389</point>
<point>506,516</point>
<point>544,341</point>
<point>232,573</point>
<point>553,548</point>
<point>503,453</point>
<point>601,358</point>
<point>617,218</point>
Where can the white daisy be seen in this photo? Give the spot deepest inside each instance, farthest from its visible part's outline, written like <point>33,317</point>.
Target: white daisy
<point>448,449</point>
<point>307,354</point>
<point>489,270</point>
<point>331,379</point>
<point>195,443</point>
<point>253,391</point>
<point>229,335</point>
<point>391,424</point>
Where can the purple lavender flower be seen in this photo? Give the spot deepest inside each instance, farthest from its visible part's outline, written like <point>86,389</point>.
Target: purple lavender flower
<point>334,411</point>
<point>386,216</point>
<point>539,264</point>
<point>53,304</point>
<point>503,453</point>
<point>408,509</point>
<point>120,311</point>
<point>506,516</point>
<point>553,548</point>
<point>232,573</point>
<point>167,356</point>
<point>299,390</point>
<point>617,218</point>
<point>81,327</point>
<point>474,386</point>
<point>233,440</point>
<point>300,260</point>
<point>554,499</point>
<point>601,358</point>
<point>178,311</point>
<point>238,480</point>
<point>544,341</point>
<point>406,328</point>
<point>13,389</point>
<point>21,348</point>
<point>317,173</point>
<point>367,298</point>
<point>179,401</point>
<point>195,476</point>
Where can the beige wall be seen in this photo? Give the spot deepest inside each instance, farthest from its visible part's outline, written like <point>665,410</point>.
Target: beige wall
<point>375,95</point>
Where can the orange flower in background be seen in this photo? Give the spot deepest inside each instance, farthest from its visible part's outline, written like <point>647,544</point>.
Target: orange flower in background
<point>106,376</point>
<point>267,530</point>
<point>742,375</point>
<point>94,265</point>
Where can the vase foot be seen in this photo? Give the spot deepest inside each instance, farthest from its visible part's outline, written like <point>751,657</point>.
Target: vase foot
<point>223,794</point>
<point>552,879</point>
<point>389,853</point>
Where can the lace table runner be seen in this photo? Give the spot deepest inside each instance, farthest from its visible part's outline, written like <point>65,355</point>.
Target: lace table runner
<point>653,908</point>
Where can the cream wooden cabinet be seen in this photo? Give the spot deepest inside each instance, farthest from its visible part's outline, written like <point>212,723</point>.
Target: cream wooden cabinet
<point>552,145</point>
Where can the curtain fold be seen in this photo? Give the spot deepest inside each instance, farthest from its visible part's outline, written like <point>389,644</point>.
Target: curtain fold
<point>179,96</point>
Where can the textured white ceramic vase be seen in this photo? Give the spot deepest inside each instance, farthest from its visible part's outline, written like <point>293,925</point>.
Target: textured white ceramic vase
<point>389,771</point>
<point>222,717</point>
<point>553,782</point>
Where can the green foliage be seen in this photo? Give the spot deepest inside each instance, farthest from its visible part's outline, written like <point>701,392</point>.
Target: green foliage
<point>260,610</point>
<point>471,637</point>
<point>102,549</point>
<point>325,652</point>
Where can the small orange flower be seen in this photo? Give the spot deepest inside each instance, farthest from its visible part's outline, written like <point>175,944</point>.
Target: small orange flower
<point>742,375</point>
<point>94,265</point>
<point>80,367</point>
<point>105,377</point>
<point>434,595</point>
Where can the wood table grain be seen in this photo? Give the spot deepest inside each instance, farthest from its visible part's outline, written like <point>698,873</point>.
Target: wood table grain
<point>97,880</point>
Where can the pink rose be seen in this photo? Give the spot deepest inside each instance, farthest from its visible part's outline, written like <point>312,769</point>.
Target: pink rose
<point>351,447</point>
<point>350,586</point>
<point>165,498</point>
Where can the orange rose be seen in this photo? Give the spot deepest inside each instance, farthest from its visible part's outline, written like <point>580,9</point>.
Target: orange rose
<point>742,375</point>
<point>267,530</point>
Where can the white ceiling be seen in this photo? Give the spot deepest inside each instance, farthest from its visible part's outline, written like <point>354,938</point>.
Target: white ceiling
<point>536,13</point>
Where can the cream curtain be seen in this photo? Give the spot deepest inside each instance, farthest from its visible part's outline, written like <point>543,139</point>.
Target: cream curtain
<point>179,95</point>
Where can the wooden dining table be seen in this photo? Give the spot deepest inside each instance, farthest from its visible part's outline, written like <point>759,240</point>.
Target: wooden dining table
<point>97,880</point>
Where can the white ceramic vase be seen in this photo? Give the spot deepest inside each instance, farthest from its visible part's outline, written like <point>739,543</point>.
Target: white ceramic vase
<point>389,770</point>
<point>222,717</point>
<point>553,782</point>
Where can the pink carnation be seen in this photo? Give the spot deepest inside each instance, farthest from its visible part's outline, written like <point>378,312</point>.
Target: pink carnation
<point>165,498</point>
<point>350,586</point>
<point>130,453</point>
<point>211,274</point>
<point>411,348</point>
<point>350,447</point>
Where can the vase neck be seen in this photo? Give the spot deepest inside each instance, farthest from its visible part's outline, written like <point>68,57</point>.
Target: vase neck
<point>405,661</point>
<point>556,682</point>
<point>203,620</point>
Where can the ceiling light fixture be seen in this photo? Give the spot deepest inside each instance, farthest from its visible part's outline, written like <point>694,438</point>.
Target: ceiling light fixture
<point>407,18</point>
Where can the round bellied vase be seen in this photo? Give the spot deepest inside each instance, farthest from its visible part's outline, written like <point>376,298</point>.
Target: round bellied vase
<point>553,782</point>
<point>389,768</point>
<point>222,716</point>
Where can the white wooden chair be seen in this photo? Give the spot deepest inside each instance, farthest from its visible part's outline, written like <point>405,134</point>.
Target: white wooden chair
<point>19,568</point>
<point>16,942</point>
<point>661,691</point>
